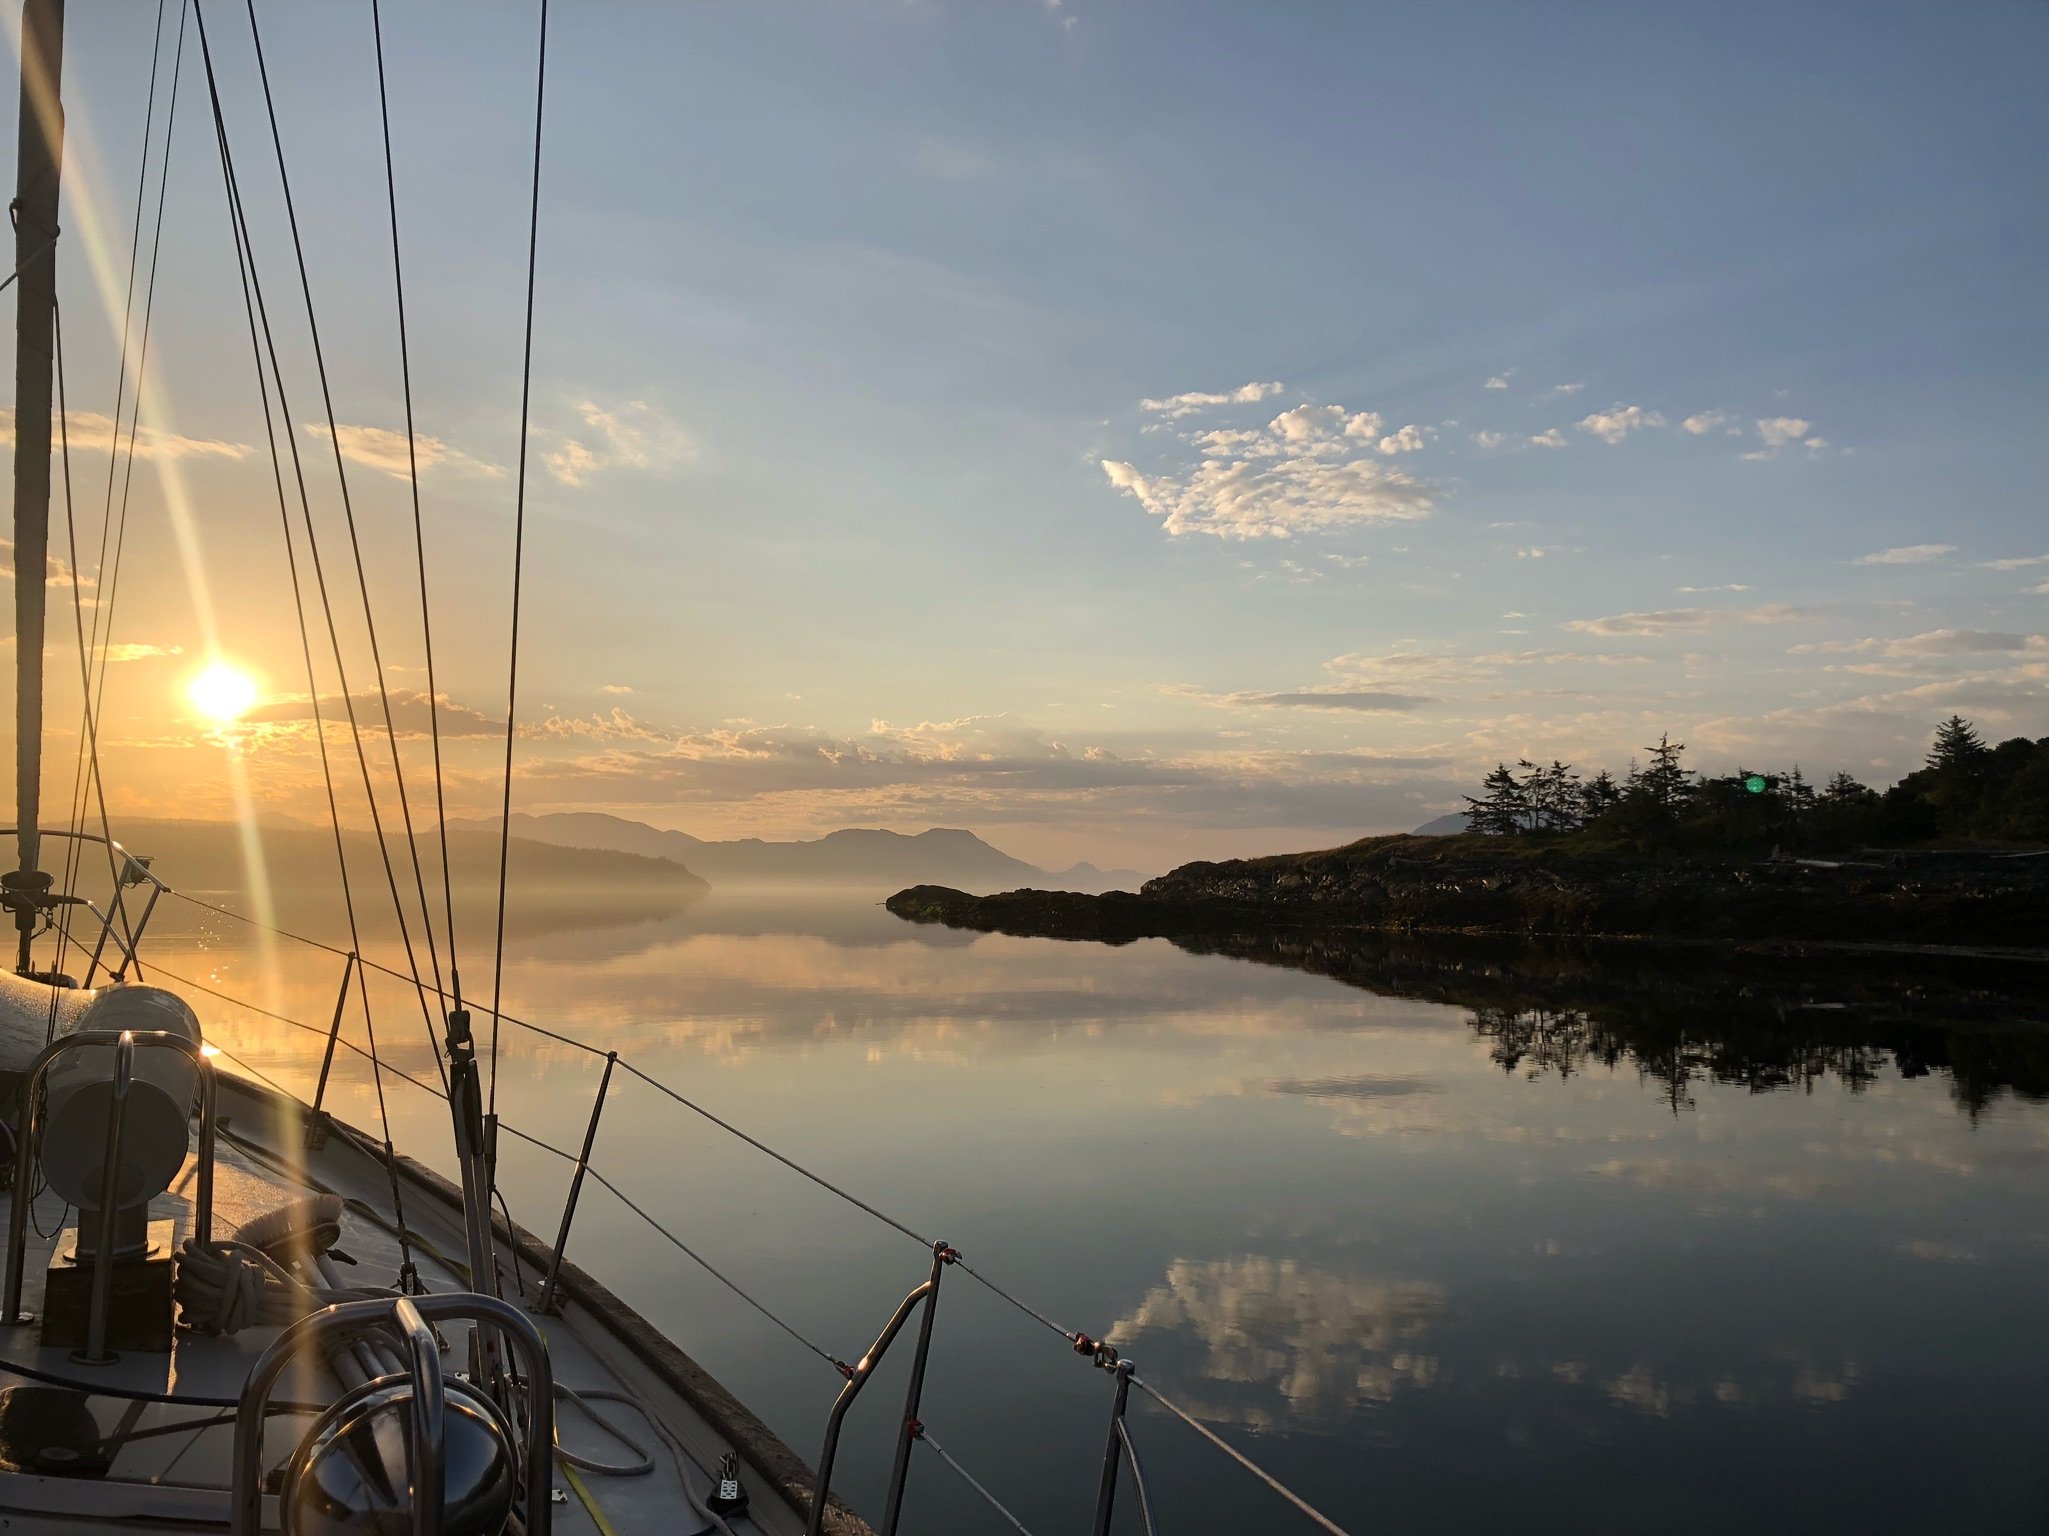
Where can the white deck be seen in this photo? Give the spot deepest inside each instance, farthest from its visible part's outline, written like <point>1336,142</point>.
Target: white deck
<point>171,1473</point>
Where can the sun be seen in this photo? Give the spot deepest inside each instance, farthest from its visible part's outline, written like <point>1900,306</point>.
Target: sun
<point>222,692</point>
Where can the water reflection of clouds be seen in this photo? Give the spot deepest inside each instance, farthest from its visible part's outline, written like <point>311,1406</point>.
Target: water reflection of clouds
<point>1281,1344</point>
<point>1322,1341</point>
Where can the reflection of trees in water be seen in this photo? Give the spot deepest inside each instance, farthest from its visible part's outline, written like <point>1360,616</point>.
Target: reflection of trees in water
<point>1537,1041</point>
<point>1765,1021</point>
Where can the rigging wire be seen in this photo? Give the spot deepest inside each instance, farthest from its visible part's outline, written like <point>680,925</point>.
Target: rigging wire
<point>244,269</point>
<point>405,369</point>
<point>111,587</point>
<point>313,543</point>
<point>92,729</point>
<point>355,540</point>
<point>104,610</point>
<point>526,389</point>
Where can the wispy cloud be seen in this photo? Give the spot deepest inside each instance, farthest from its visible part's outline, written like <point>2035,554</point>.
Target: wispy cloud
<point>380,448</point>
<point>94,432</point>
<point>1906,554</point>
<point>1612,426</point>
<point>136,651</point>
<point>1362,701</point>
<point>1500,380</point>
<point>633,435</point>
<point>1561,391</point>
<point>1964,642</point>
<point>409,713</point>
<point>2017,563</point>
<point>1671,620</point>
<point>1703,422</point>
<point>1174,406</point>
<point>1550,438</point>
<point>946,160</point>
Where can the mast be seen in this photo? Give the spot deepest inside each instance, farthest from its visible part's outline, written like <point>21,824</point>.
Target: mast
<point>35,263</point>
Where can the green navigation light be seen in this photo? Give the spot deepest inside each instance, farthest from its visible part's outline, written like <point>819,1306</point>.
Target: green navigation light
<point>1755,783</point>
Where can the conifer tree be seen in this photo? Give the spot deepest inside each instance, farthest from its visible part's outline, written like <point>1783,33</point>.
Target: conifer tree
<point>1957,746</point>
<point>1597,796</point>
<point>1503,810</point>
<point>1664,782</point>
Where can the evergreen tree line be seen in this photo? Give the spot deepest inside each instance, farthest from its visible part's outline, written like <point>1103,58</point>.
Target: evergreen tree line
<point>1966,791</point>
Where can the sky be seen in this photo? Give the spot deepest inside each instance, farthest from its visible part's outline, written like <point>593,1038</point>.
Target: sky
<point>1133,431</point>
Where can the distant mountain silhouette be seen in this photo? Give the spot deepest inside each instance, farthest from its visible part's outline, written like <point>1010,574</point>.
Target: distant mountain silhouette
<point>1448,825</point>
<point>856,856</point>
<point>207,859</point>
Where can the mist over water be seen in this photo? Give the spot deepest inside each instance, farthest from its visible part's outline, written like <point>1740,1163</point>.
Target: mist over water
<point>1445,1236</point>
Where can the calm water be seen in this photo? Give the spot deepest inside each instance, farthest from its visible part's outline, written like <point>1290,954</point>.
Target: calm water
<point>1588,1246</point>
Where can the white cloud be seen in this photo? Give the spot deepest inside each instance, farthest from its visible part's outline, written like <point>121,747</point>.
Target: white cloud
<point>141,652</point>
<point>1561,391</point>
<point>615,688</point>
<point>1703,422</point>
<point>1670,620</point>
<point>1500,380</point>
<point>1197,400</point>
<point>1363,701</point>
<point>1551,438</point>
<point>1906,554</point>
<point>1306,422</point>
<point>571,463</point>
<point>1308,470</point>
<point>2041,589</point>
<point>1777,431</point>
<point>380,448</point>
<point>94,432</point>
<point>1489,440</point>
<point>1612,426</point>
<point>634,434</point>
<point>2017,563</point>
<point>1782,432</point>
<point>1733,586</point>
<point>1966,642</point>
<point>1408,440</point>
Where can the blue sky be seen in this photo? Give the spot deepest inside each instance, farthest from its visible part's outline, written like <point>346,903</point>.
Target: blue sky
<point>1584,372</point>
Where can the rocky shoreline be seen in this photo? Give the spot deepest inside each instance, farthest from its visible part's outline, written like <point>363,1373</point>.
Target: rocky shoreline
<point>1472,885</point>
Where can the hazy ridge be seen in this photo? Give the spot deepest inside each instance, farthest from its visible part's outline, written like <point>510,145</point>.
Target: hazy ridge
<point>855,856</point>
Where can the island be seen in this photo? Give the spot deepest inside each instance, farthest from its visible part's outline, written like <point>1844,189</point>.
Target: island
<point>1955,855</point>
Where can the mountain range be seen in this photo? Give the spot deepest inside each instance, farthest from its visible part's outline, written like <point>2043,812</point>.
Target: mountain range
<point>854,856</point>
